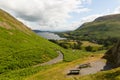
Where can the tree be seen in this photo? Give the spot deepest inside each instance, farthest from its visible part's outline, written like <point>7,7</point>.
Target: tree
<point>88,48</point>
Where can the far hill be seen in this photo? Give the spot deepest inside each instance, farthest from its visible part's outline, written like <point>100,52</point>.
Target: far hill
<point>101,29</point>
<point>20,47</point>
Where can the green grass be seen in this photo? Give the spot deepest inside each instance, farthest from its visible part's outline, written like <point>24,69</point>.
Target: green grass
<point>22,73</point>
<point>98,30</point>
<point>94,47</point>
<point>59,74</point>
<point>71,55</point>
<point>20,47</point>
<point>87,43</point>
<point>70,59</point>
<point>21,50</point>
<point>59,71</point>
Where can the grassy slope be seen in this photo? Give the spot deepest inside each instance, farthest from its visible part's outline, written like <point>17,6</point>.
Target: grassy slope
<point>52,72</point>
<point>96,29</point>
<point>87,43</point>
<point>59,71</point>
<point>20,47</point>
<point>109,25</point>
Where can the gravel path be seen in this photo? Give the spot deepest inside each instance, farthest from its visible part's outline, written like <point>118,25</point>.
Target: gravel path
<point>53,61</point>
<point>96,66</point>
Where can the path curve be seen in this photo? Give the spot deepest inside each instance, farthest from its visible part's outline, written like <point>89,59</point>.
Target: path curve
<point>53,61</point>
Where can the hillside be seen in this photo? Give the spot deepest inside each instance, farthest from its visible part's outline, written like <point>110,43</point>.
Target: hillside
<point>20,47</point>
<point>101,29</point>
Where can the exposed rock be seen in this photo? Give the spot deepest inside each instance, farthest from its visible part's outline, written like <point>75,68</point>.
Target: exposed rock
<point>113,55</point>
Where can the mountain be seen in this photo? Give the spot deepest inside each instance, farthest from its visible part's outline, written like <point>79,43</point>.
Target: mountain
<point>20,47</point>
<point>109,17</point>
<point>101,29</point>
<point>37,31</point>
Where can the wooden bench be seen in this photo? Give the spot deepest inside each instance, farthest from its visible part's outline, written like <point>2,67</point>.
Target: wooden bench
<point>74,72</point>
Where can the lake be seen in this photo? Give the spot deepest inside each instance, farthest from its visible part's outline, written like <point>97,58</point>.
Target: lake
<point>50,35</point>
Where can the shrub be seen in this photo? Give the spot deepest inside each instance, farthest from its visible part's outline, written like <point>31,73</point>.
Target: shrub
<point>88,48</point>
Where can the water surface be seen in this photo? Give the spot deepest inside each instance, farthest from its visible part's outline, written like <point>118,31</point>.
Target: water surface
<point>50,35</point>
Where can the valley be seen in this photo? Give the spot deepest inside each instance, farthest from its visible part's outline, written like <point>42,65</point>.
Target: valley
<point>25,55</point>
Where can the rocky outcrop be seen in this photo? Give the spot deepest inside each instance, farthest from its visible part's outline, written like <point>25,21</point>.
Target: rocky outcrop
<point>113,55</point>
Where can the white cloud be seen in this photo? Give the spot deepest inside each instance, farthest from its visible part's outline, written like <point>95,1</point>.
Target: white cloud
<point>90,18</point>
<point>44,14</point>
<point>117,10</point>
<point>87,1</point>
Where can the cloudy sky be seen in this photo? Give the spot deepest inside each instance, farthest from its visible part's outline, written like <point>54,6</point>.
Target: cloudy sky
<point>58,15</point>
